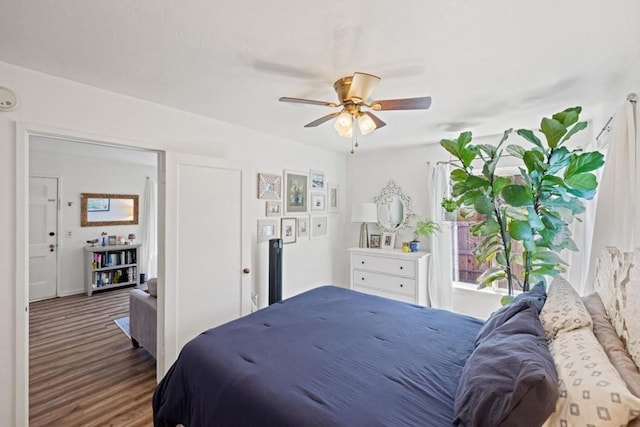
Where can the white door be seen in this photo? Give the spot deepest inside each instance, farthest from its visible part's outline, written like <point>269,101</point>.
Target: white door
<point>43,237</point>
<point>206,247</point>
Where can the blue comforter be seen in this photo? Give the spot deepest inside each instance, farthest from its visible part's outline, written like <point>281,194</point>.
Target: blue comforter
<point>327,357</point>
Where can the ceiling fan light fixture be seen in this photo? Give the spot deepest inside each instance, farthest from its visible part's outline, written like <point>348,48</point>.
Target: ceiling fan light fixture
<point>366,124</point>
<point>344,124</point>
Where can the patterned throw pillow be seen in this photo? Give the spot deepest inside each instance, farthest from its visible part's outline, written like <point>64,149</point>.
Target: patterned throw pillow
<point>564,310</point>
<point>591,390</point>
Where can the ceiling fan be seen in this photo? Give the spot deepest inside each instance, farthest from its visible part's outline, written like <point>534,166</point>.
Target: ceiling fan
<point>353,94</point>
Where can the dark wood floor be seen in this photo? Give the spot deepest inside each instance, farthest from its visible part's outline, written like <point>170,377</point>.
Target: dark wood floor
<point>83,370</point>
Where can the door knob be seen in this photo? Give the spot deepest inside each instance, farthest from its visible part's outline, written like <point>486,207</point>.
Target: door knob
<point>246,271</point>
<point>52,233</point>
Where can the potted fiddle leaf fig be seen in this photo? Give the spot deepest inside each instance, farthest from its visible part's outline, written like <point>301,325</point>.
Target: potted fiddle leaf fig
<point>534,210</point>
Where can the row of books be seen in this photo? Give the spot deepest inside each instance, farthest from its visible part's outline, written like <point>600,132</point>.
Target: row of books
<point>113,259</point>
<point>122,275</point>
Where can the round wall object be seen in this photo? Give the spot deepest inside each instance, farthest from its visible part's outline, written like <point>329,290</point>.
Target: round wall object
<point>8,99</point>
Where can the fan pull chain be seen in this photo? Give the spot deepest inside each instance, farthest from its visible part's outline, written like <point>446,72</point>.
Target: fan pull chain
<point>354,135</point>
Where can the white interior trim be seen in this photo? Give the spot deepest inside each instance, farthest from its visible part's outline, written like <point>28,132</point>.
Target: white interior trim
<point>24,131</point>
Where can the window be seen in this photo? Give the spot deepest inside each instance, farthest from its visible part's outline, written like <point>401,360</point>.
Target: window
<point>465,268</point>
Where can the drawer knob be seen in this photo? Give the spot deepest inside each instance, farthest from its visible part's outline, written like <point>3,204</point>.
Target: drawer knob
<point>400,267</point>
<point>362,262</point>
<point>362,278</point>
<point>401,285</point>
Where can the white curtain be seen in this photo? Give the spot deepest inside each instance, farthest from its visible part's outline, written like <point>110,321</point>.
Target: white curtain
<point>149,250</point>
<point>617,210</point>
<point>440,284</point>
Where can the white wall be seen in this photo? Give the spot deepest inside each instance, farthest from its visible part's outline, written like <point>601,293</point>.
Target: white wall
<point>62,104</point>
<point>84,168</point>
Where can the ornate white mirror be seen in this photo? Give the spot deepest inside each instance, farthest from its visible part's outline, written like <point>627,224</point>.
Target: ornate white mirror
<point>394,208</point>
<point>108,209</point>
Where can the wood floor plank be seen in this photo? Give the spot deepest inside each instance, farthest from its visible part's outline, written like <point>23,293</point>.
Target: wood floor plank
<point>83,370</point>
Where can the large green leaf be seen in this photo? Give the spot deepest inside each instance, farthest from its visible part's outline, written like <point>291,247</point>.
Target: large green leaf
<point>458,175</point>
<point>529,136</point>
<point>553,130</point>
<point>517,195</point>
<point>585,162</point>
<point>534,161</point>
<point>568,116</point>
<point>521,230</point>
<point>534,220</point>
<point>491,275</point>
<point>483,205</point>
<point>577,128</point>
<point>516,150</point>
<point>466,151</point>
<point>451,147</point>
<point>499,183</point>
<point>582,181</point>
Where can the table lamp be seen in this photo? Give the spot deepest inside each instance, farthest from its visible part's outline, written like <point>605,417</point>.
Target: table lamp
<point>364,213</point>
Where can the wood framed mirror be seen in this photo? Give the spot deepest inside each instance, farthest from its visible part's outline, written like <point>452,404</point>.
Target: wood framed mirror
<point>108,209</point>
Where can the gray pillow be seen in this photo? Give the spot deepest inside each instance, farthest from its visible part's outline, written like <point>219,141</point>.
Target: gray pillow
<point>537,295</point>
<point>500,317</point>
<point>510,379</point>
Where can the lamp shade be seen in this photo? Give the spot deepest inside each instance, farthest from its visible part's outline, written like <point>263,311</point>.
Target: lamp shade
<point>364,212</point>
<point>366,124</point>
<point>344,124</point>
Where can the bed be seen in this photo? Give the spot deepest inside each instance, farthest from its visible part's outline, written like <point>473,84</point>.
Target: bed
<point>335,357</point>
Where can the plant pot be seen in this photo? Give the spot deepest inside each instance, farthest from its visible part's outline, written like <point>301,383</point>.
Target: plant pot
<point>414,246</point>
<point>451,216</point>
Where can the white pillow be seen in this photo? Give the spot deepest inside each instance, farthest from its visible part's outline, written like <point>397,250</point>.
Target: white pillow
<point>591,391</point>
<point>564,310</point>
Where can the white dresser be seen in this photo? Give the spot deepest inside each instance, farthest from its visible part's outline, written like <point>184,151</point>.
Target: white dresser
<point>390,273</point>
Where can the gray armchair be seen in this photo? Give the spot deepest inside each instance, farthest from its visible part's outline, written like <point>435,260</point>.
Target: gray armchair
<point>143,320</point>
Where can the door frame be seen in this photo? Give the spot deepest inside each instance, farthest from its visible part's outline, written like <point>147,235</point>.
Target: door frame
<point>58,225</point>
<point>24,131</point>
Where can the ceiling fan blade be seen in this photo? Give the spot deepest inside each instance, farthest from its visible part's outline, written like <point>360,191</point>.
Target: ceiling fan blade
<point>362,85</point>
<point>307,101</point>
<point>379,123</point>
<point>321,120</point>
<point>402,104</point>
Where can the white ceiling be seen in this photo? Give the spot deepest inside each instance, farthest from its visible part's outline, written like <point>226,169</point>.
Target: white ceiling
<point>488,65</point>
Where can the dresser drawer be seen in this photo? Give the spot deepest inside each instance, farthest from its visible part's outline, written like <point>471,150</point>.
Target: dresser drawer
<point>411,299</point>
<point>383,282</point>
<point>380,264</point>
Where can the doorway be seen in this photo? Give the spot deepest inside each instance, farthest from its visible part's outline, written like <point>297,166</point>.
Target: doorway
<point>70,239</point>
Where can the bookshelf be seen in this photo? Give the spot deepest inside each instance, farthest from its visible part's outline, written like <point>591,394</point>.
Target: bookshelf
<point>113,266</point>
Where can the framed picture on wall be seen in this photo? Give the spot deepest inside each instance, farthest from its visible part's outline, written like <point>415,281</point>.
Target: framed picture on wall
<point>289,230</point>
<point>269,186</point>
<point>268,229</point>
<point>273,208</point>
<point>303,226</point>
<point>296,192</point>
<point>317,180</point>
<point>318,227</point>
<point>317,202</point>
<point>333,197</point>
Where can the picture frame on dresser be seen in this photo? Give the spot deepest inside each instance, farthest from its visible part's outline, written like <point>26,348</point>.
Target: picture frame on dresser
<point>374,241</point>
<point>388,240</point>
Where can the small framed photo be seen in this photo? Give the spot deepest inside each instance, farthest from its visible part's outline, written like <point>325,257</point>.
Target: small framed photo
<point>274,209</point>
<point>318,202</point>
<point>113,240</point>
<point>303,226</point>
<point>318,227</point>
<point>269,186</point>
<point>333,196</point>
<point>268,229</point>
<point>388,240</point>
<point>121,240</point>
<point>289,230</point>
<point>317,180</point>
<point>296,192</point>
<point>374,241</point>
